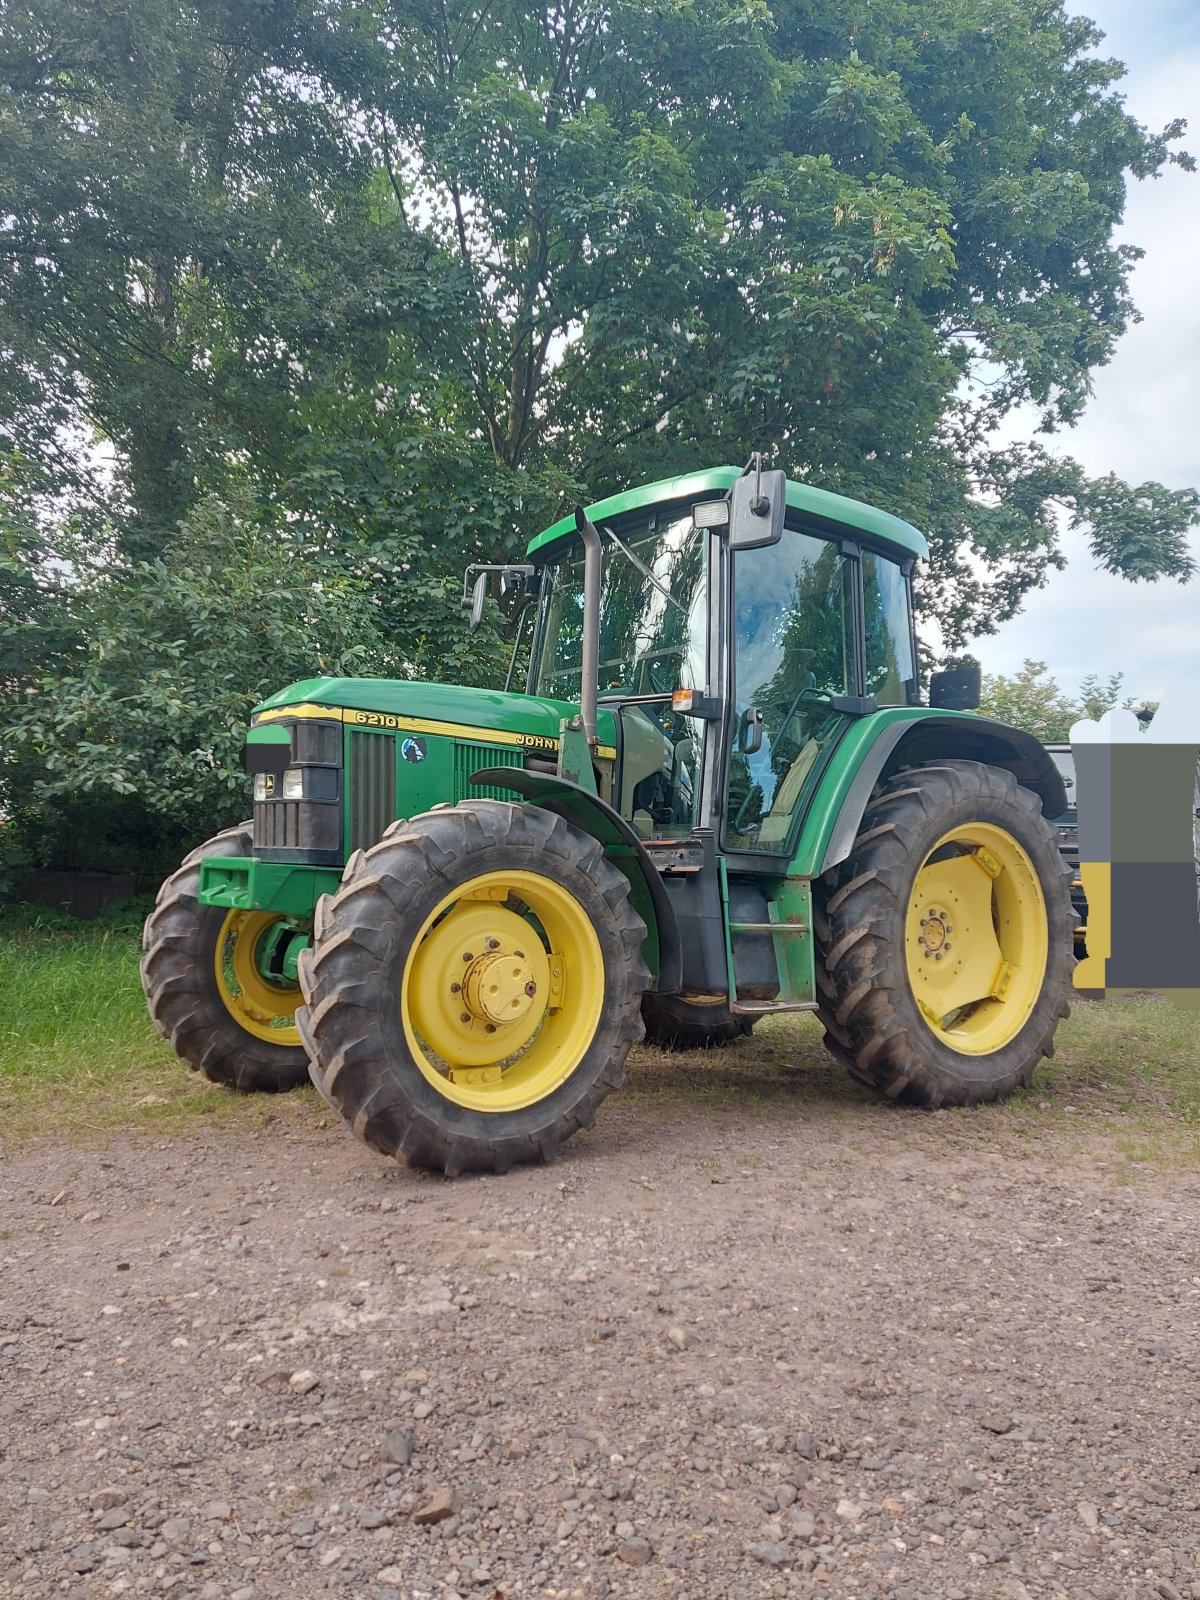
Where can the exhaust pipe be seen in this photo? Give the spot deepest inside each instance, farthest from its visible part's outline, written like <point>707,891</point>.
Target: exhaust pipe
<point>590,671</point>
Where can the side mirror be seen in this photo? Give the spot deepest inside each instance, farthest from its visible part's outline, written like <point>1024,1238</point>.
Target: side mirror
<point>956,689</point>
<point>478,595</point>
<point>757,504</point>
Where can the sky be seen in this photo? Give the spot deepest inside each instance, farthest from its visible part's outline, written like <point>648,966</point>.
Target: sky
<point>1144,419</point>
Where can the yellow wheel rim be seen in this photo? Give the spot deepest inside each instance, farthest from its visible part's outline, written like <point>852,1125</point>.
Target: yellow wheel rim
<point>976,938</point>
<point>502,991</point>
<point>265,1009</point>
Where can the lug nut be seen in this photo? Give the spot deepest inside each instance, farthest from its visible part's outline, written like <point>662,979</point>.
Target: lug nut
<point>493,944</point>
<point>520,954</point>
<point>531,988</point>
<point>466,1017</point>
<point>937,955</point>
<point>455,988</point>
<point>467,956</point>
<point>490,1027</point>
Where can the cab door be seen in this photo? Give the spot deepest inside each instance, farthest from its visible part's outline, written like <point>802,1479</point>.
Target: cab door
<point>794,665</point>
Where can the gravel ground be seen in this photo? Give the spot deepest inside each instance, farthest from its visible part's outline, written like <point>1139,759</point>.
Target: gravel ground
<point>816,1353</point>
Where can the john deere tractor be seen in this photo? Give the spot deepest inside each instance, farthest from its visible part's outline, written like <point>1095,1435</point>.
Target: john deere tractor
<point>717,798</point>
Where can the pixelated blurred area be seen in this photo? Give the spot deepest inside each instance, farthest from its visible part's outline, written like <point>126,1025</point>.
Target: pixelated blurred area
<point>1137,819</point>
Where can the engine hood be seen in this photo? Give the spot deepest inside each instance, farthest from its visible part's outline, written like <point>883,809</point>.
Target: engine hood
<point>432,708</point>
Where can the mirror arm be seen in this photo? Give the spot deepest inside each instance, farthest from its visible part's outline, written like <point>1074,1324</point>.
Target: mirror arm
<point>516,650</point>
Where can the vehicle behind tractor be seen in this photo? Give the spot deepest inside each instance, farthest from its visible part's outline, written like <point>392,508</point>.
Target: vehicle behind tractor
<point>718,798</point>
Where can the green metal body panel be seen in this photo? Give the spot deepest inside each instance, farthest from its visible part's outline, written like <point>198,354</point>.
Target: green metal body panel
<point>789,907</point>
<point>835,508</point>
<point>243,883</point>
<point>935,734</point>
<point>575,757</point>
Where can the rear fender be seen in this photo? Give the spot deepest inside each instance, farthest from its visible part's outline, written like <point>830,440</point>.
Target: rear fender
<point>586,811</point>
<point>923,741</point>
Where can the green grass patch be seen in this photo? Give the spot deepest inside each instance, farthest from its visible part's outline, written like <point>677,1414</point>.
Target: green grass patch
<point>78,1051</point>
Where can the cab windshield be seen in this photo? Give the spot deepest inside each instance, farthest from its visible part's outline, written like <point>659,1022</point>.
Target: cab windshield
<point>653,631</point>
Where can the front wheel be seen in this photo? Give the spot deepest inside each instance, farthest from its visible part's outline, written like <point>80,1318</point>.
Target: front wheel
<point>216,981</point>
<point>472,990</point>
<point>945,940</point>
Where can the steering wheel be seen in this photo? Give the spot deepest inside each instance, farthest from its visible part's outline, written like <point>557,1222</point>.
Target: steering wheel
<point>660,670</point>
<point>808,692</point>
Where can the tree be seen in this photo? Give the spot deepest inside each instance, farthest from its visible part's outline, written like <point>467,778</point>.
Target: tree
<point>1032,700</point>
<point>184,246</point>
<point>856,235</point>
<point>157,666</point>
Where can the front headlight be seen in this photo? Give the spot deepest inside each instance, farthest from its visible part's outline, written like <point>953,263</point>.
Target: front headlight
<point>264,785</point>
<point>293,784</point>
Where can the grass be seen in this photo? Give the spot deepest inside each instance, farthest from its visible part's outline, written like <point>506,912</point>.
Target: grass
<point>79,1056</point>
<point>78,1051</point>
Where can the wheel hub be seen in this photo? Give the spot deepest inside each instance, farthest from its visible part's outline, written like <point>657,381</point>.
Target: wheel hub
<point>499,988</point>
<point>250,963</point>
<point>936,929</point>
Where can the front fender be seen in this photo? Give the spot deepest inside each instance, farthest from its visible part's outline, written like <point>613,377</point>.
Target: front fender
<point>878,746</point>
<point>590,814</point>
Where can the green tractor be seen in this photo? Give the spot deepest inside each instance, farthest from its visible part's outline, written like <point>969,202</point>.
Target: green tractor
<point>717,799</point>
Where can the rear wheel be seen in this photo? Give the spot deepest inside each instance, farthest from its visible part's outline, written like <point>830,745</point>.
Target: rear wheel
<point>216,981</point>
<point>946,938</point>
<point>694,1024</point>
<point>472,990</point>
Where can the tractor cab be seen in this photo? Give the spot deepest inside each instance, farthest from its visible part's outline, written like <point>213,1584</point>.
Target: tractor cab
<point>732,657</point>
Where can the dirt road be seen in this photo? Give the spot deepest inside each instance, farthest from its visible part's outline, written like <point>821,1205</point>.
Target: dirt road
<point>824,1349</point>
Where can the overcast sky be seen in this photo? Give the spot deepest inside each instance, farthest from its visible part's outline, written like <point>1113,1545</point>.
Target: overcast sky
<point>1144,420</point>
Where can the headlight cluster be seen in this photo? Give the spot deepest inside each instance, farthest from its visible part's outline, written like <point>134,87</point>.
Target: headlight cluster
<point>296,783</point>
<point>273,786</point>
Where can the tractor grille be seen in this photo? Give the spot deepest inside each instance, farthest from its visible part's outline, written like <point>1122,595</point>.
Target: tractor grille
<point>370,787</point>
<point>303,830</point>
<point>469,758</point>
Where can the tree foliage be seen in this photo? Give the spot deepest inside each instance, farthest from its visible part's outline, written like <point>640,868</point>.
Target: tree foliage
<point>147,690</point>
<point>1032,700</point>
<point>858,236</point>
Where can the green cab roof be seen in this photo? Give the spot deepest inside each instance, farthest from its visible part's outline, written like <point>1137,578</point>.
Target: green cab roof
<point>819,503</point>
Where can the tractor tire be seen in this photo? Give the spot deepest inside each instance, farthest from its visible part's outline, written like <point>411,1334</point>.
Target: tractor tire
<point>945,939</point>
<point>472,989</point>
<point>234,1033</point>
<point>674,1023</point>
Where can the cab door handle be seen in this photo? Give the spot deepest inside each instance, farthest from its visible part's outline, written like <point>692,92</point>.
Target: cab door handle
<point>750,731</point>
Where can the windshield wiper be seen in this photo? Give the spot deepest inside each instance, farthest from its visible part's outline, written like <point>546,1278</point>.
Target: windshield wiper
<point>645,571</point>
